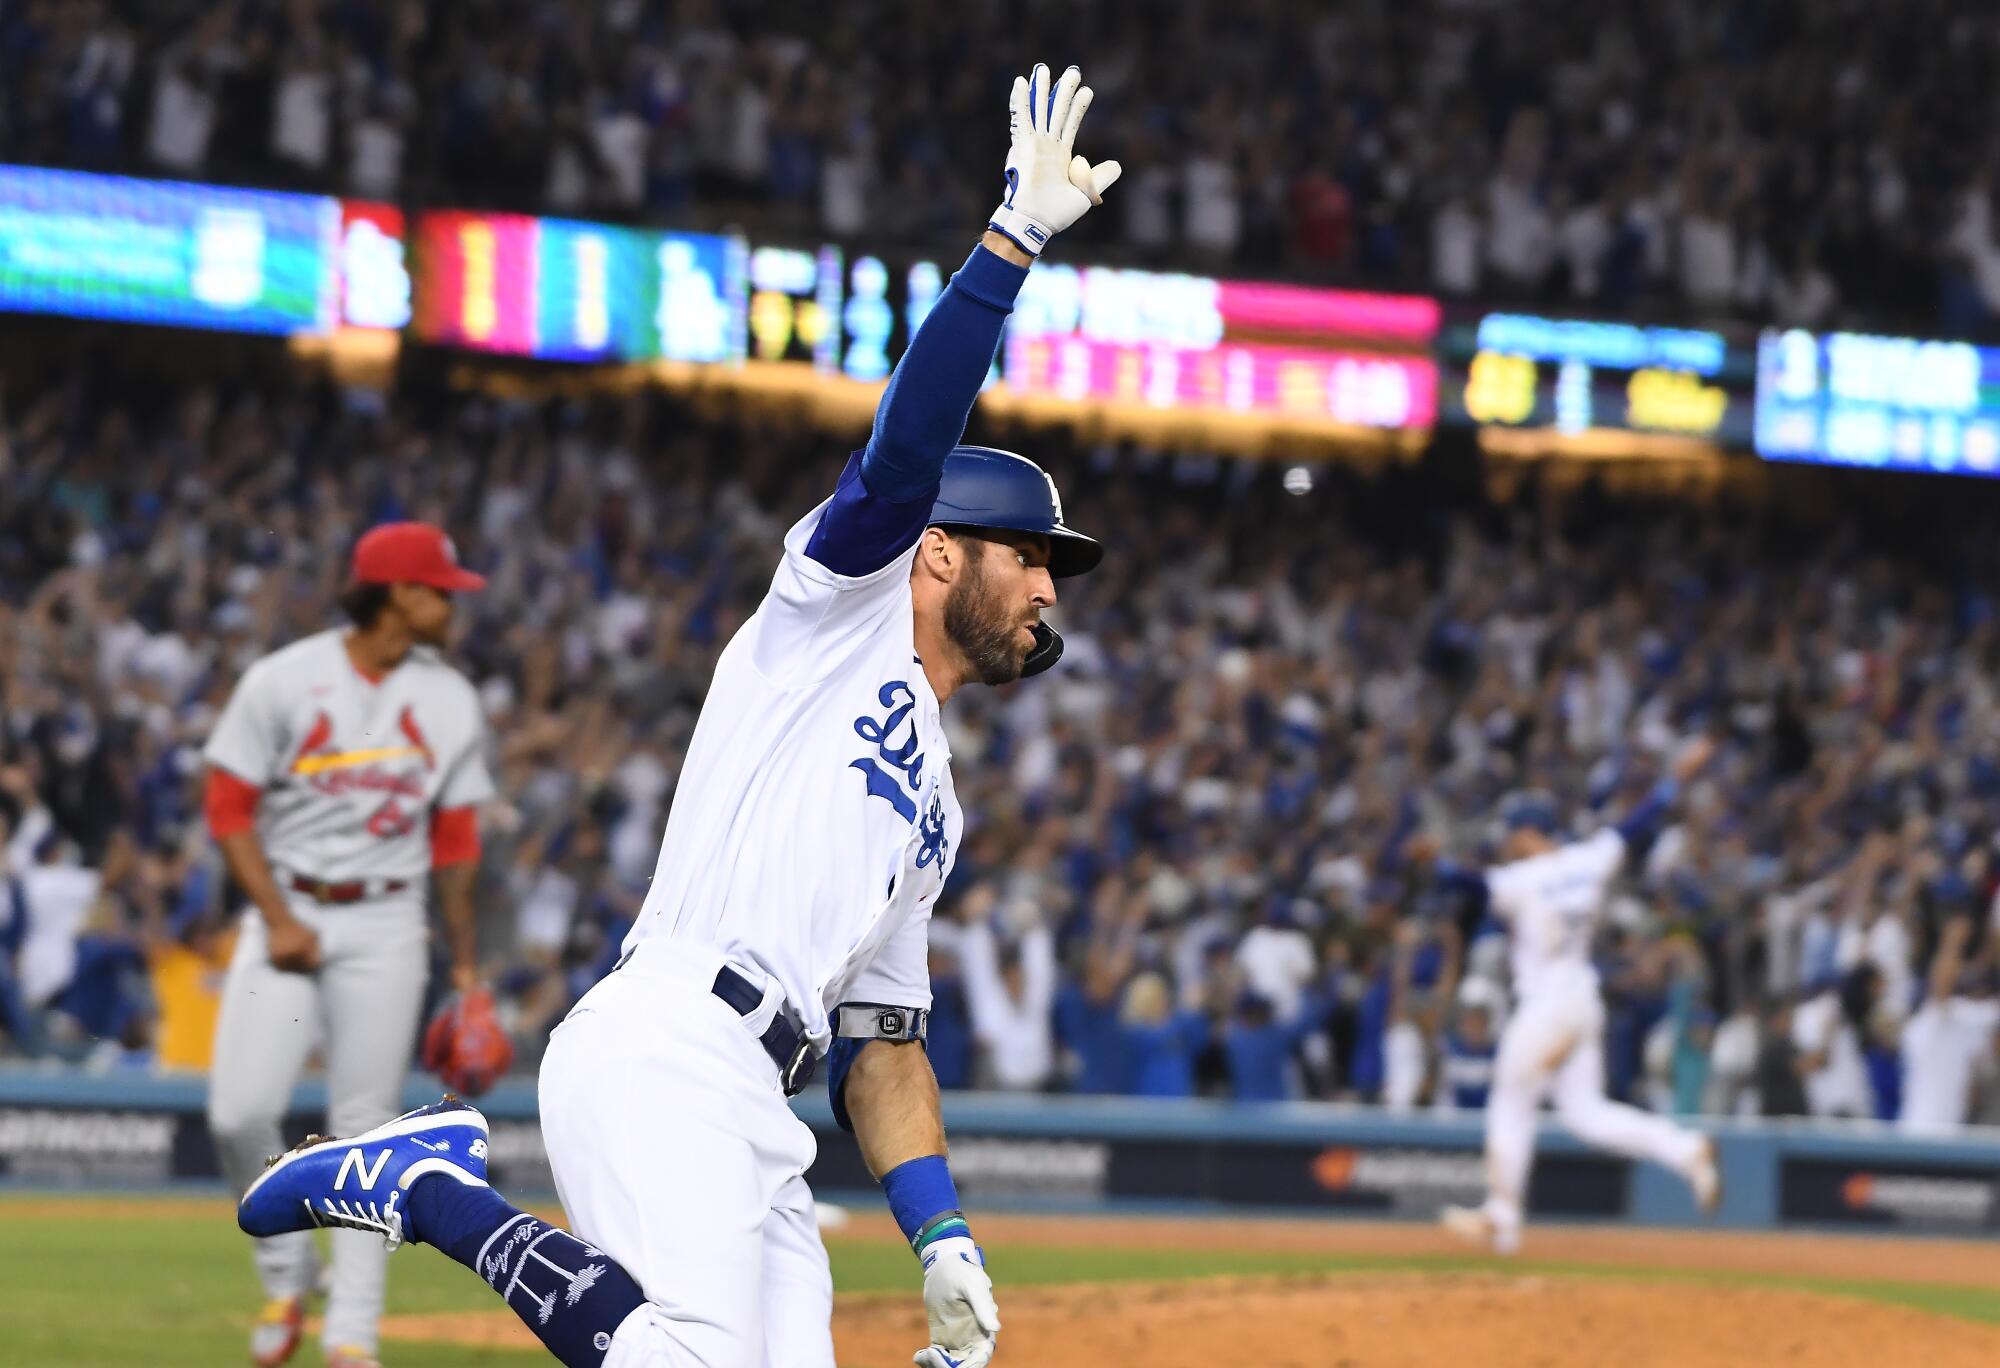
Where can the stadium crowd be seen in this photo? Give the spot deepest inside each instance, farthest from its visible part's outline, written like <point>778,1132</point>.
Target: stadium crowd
<point>1791,160</point>
<point>1195,860</point>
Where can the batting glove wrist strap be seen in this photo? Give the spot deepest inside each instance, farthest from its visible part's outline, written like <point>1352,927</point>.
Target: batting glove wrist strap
<point>941,1227</point>
<point>1024,232</point>
<point>1049,187</point>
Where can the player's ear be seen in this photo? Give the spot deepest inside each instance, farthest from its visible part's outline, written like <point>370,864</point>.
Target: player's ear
<point>938,555</point>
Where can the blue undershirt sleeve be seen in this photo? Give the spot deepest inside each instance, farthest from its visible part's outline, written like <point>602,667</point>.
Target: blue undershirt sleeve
<point>1641,826</point>
<point>884,497</point>
<point>1466,880</point>
<point>839,1059</point>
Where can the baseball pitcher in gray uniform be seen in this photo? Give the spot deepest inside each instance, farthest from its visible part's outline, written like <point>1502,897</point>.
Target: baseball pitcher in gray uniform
<point>345,769</point>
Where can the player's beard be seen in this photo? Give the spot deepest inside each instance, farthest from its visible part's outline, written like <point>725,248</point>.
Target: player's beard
<point>978,623</point>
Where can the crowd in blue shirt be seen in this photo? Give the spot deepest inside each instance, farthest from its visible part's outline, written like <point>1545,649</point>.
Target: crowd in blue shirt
<point>1271,685</point>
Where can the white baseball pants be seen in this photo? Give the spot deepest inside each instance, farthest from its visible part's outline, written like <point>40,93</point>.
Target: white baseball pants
<point>361,1008</point>
<point>675,1152</point>
<point>1555,1042</point>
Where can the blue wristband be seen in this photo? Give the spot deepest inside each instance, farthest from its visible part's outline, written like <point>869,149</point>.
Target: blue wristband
<point>920,1192</point>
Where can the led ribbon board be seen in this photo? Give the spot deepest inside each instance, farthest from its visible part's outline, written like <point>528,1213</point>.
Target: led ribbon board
<point>1173,341</point>
<point>1882,402</point>
<point>1575,377</point>
<point>167,252</point>
<point>567,290</point>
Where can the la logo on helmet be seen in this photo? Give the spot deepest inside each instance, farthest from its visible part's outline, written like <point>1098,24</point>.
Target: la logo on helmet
<point>1055,499</point>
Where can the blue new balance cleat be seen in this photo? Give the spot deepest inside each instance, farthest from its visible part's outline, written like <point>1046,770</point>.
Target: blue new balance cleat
<point>359,1183</point>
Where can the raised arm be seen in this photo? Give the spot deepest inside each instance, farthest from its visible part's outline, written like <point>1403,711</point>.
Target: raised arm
<point>979,963</point>
<point>1466,880</point>
<point>1641,826</point>
<point>32,821</point>
<point>1038,970</point>
<point>1950,958</point>
<point>1113,950</point>
<point>878,511</point>
<point>884,496</point>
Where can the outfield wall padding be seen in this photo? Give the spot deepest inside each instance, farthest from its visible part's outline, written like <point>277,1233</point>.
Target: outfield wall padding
<point>64,1129</point>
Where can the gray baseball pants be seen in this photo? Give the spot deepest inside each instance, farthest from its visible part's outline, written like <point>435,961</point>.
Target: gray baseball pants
<point>361,1009</point>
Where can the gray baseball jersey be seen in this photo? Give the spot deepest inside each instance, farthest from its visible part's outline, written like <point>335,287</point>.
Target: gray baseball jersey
<point>350,768</point>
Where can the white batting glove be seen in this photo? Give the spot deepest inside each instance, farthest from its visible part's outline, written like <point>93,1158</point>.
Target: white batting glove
<point>1049,187</point>
<point>958,1298</point>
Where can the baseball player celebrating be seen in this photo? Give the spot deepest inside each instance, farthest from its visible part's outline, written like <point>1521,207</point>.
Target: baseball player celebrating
<point>1551,897</point>
<point>345,768</point>
<point>813,827</point>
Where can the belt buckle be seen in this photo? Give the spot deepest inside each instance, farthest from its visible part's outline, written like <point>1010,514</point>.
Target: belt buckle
<point>798,1070</point>
<point>322,891</point>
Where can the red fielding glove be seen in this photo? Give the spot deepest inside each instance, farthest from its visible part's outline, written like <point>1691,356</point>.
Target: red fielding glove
<point>465,1044</point>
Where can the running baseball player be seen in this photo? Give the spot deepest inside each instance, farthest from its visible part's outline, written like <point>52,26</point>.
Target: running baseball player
<point>813,827</point>
<point>1551,896</point>
<point>345,769</point>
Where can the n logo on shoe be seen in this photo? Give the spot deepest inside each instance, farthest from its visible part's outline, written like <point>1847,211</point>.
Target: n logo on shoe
<point>367,1174</point>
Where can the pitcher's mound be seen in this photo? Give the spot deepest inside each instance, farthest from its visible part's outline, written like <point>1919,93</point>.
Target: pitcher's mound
<point>1384,1320</point>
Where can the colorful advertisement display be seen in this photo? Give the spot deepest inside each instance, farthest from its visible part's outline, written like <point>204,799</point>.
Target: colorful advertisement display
<point>869,336</point>
<point>699,312</point>
<point>1882,402</point>
<point>565,290</point>
<point>1574,376</point>
<point>192,256</point>
<point>1172,341</point>
<point>795,305</point>
<point>373,267</point>
<point>882,311</point>
<point>922,283</point>
<point>476,281</point>
<point>850,317</point>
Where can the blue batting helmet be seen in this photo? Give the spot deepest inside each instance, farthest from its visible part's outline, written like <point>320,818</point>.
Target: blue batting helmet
<point>988,490</point>
<point>1532,809</point>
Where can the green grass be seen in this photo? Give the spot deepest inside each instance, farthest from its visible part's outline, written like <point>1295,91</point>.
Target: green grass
<point>91,1291</point>
<point>176,1294</point>
<point>887,1267</point>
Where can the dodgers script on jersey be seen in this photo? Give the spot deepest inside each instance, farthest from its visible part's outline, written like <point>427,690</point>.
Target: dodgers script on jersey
<point>815,823</point>
<point>1551,903</point>
<point>351,769</point>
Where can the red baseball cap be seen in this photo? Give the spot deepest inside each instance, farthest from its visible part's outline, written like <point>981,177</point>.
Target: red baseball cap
<point>411,553</point>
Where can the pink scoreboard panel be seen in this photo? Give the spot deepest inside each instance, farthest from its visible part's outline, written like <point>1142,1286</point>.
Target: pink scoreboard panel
<point>1171,341</point>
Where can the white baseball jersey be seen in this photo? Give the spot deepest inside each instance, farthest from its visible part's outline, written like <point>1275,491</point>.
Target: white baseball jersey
<point>815,823</point>
<point>351,769</point>
<point>1943,1043</point>
<point>1551,903</point>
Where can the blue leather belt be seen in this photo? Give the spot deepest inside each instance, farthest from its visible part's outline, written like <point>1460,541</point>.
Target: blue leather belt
<point>785,1043</point>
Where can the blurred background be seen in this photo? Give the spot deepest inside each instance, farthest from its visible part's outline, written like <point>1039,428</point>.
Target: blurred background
<point>1474,398</point>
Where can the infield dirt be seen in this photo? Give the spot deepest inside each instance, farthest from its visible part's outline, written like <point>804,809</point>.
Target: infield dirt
<point>1489,1315</point>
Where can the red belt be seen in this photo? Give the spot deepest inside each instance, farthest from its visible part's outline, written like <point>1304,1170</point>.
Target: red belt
<point>355,890</point>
